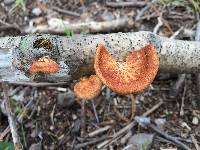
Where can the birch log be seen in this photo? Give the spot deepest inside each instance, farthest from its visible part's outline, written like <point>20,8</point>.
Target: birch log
<point>76,54</point>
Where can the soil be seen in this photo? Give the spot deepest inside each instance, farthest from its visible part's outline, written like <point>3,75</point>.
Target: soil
<point>51,116</point>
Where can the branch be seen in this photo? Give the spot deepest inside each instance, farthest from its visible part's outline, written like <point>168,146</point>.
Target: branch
<point>126,4</point>
<point>76,54</point>
<point>58,26</point>
<point>146,122</point>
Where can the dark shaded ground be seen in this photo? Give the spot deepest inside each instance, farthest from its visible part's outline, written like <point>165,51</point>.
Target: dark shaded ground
<point>52,117</point>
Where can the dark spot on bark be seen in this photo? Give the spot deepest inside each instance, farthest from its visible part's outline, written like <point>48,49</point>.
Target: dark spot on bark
<point>43,43</point>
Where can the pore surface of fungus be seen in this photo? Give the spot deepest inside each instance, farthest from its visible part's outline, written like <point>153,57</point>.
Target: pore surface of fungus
<point>130,76</point>
<point>44,65</point>
<point>88,88</point>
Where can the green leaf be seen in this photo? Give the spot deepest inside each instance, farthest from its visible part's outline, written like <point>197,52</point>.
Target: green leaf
<point>6,146</point>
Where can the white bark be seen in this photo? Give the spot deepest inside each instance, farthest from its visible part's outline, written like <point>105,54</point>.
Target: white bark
<point>76,54</point>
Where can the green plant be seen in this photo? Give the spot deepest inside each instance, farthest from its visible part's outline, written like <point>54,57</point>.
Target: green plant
<point>67,32</point>
<point>7,146</point>
<point>20,4</point>
<point>19,109</point>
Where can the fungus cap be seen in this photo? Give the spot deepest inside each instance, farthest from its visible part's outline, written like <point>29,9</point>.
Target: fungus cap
<point>88,88</point>
<point>44,65</point>
<point>131,76</point>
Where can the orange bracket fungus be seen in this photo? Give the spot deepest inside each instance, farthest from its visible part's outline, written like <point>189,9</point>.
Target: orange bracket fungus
<point>131,76</point>
<point>44,65</point>
<point>87,89</point>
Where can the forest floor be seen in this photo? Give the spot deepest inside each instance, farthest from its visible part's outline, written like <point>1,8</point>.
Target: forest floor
<point>50,117</point>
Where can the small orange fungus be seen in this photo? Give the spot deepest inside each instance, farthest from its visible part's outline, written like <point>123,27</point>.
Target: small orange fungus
<point>44,65</point>
<point>88,88</point>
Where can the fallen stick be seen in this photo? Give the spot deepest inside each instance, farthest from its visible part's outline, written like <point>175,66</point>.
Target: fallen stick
<point>40,84</point>
<point>79,146</point>
<point>58,26</point>
<point>4,133</point>
<point>197,38</point>
<point>195,142</point>
<point>147,123</point>
<point>75,54</point>
<point>168,137</point>
<point>67,12</point>
<point>12,120</point>
<point>142,11</point>
<point>98,131</point>
<point>126,4</point>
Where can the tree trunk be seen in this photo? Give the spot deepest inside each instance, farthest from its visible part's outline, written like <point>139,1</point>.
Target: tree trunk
<point>76,54</point>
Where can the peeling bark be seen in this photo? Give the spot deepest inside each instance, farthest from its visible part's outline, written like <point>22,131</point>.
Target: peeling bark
<point>76,54</point>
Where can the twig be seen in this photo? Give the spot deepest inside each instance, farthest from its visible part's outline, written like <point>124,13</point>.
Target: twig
<point>99,146</point>
<point>79,146</point>
<point>11,120</point>
<point>138,17</point>
<point>34,96</point>
<point>130,126</point>
<point>184,140</point>
<point>157,27</point>
<point>163,20</point>
<point>130,146</point>
<point>133,109</point>
<point>162,139</point>
<point>183,100</point>
<point>119,115</point>
<point>197,38</point>
<point>66,12</point>
<point>155,107</point>
<point>195,142</point>
<point>59,89</point>
<point>126,137</point>
<point>126,4</point>
<point>168,137</point>
<point>14,91</point>
<point>163,134</point>
<point>3,134</point>
<point>98,131</point>
<point>95,111</point>
<point>8,26</point>
<point>176,33</point>
<point>148,17</point>
<point>52,114</point>
<point>178,86</point>
<point>34,84</point>
<point>83,118</point>
<point>21,115</point>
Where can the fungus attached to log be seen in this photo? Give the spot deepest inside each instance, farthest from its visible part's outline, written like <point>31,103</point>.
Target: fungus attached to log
<point>44,65</point>
<point>131,76</point>
<point>88,88</point>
